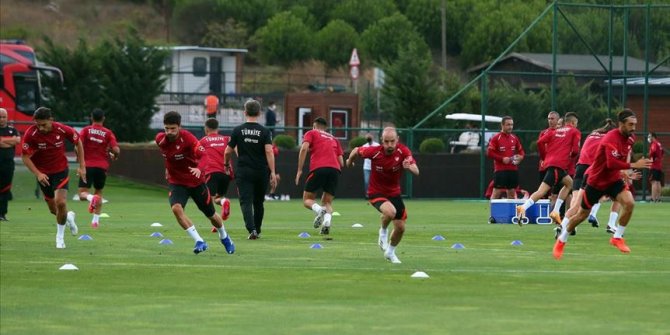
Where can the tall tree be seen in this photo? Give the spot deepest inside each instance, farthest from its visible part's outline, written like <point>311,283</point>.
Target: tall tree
<point>362,13</point>
<point>80,92</point>
<point>409,92</point>
<point>382,40</point>
<point>284,40</point>
<point>132,77</point>
<point>334,43</point>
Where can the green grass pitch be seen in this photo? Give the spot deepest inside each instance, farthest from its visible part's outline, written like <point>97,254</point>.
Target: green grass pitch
<point>128,283</point>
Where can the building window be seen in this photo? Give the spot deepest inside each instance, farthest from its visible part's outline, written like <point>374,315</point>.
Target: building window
<point>199,66</point>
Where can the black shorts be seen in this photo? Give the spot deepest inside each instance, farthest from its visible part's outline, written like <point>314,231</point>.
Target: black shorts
<point>217,183</point>
<point>200,194</point>
<point>94,176</point>
<point>580,178</point>
<point>554,176</point>
<point>325,178</point>
<point>377,200</point>
<point>656,175</point>
<point>506,179</point>
<point>6,175</point>
<point>592,195</point>
<point>541,175</point>
<point>57,181</point>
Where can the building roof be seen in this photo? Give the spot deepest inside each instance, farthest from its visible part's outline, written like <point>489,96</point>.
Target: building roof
<point>197,48</point>
<point>639,81</point>
<point>577,63</point>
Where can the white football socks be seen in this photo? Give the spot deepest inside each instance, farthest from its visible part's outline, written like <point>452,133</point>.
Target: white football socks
<point>316,208</point>
<point>594,210</point>
<point>60,231</point>
<point>529,202</point>
<point>326,219</point>
<point>193,233</point>
<point>96,218</point>
<point>619,231</point>
<point>222,232</point>
<point>613,217</point>
<point>557,205</point>
<point>89,197</point>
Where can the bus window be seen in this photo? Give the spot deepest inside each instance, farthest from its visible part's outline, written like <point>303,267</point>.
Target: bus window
<point>27,93</point>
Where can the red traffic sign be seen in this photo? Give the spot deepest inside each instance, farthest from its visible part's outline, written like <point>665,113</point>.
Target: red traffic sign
<point>354,61</point>
<point>354,72</point>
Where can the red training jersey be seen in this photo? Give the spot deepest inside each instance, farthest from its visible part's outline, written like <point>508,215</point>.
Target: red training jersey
<point>504,145</point>
<point>562,146</point>
<point>611,157</point>
<point>179,155</point>
<point>542,151</point>
<point>97,140</point>
<point>588,151</point>
<point>386,169</point>
<point>656,153</point>
<point>212,161</point>
<point>48,150</point>
<point>324,150</point>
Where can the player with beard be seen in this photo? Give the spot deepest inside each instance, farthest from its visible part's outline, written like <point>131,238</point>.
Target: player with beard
<point>181,151</point>
<point>604,178</point>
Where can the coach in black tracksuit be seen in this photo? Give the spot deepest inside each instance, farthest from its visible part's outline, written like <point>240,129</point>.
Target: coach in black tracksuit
<point>255,166</point>
<point>9,137</point>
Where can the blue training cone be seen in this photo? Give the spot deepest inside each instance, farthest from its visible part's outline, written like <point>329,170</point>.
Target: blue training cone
<point>438,238</point>
<point>458,246</point>
<point>316,246</point>
<point>165,241</point>
<point>85,237</point>
<point>303,235</point>
<point>516,242</point>
<point>156,234</point>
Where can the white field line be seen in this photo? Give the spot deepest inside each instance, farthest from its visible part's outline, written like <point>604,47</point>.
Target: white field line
<point>83,265</point>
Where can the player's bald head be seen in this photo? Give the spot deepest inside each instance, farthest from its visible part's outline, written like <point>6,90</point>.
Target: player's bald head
<point>390,132</point>
<point>389,140</point>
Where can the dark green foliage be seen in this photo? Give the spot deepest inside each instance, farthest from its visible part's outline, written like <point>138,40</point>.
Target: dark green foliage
<point>284,141</point>
<point>75,98</point>
<point>123,77</point>
<point>132,76</point>
<point>409,92</point>
<point>284,40</point>
<point>363,13</point>
<point>382,40</point>
<point>229,34</point>
<point>431,145</point>
<point>357,142</point>
<point>334,44</point>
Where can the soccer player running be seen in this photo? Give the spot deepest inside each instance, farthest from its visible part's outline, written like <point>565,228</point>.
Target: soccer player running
<point>586,156</point>
<point>9,138</point>
<point>604,178</point>
<point>325,166</point>
<point>255,166</point>
<point>562,145</point>
<point>656,155</point>
<point>99,145</point>
<point>552,122</point>
<point>43,153</point>
<point>507,152</point>
<point>217,176</point>
<point>181,151</point>
<point>388,162</point>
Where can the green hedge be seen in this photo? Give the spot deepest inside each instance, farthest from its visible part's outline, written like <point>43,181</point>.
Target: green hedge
<point>285,141</point>
<point>431,145</point>
<point>357,142</point>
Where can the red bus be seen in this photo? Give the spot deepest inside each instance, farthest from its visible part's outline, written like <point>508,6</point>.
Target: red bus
<point>20,88</point>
